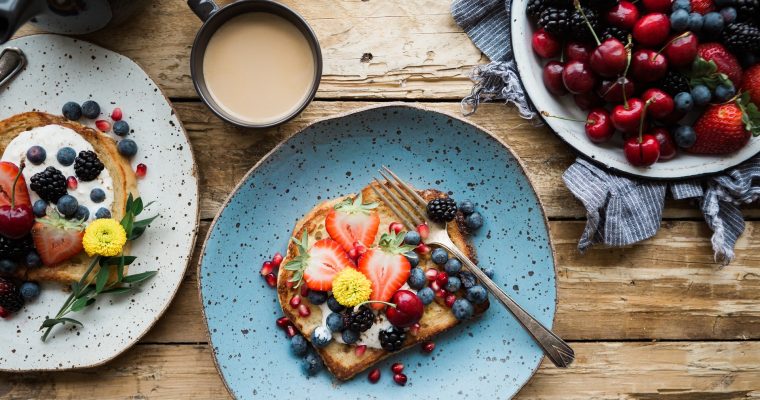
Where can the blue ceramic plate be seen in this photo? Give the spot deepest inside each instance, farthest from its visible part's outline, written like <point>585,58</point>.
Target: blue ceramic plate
<point>489,357</point>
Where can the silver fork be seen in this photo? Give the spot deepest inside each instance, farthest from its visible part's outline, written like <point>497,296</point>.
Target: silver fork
<point>412,212</point>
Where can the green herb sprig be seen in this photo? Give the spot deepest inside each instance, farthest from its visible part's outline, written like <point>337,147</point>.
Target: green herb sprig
<point>84,292</point>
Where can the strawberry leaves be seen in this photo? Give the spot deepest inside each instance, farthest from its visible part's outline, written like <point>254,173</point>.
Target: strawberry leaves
<point>704,72</point>
<point>394,243</point>
<point>355,206</point>
<point>750,114</point>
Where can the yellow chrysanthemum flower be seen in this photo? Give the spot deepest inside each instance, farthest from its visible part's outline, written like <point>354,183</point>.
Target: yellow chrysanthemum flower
<point>104,237</point>
<point>350,287</point>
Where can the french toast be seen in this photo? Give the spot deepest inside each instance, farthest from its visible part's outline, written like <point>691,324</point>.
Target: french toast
<point>123,178</point>
<point>342,360</point>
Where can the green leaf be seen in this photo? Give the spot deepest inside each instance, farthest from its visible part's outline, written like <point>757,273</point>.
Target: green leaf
<point>82,303</point>
<point>143,223</point>
<point>121,260</point>
<point>130,200</point>
<point>118,290</point>
<point>136,233</point>
<point>50,322</point>
<point>101,279</point>
<point>71,321</point>
<point>139,277</point>
<point>137,207</point>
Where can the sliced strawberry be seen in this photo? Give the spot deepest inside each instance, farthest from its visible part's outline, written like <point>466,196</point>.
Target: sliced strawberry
<point>318,265</point>
<point>386,267</point>
<point>352,221</point>
<point>8,172</point>
<point>57,239</point>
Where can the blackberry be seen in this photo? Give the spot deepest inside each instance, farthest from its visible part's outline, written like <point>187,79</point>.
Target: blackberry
<point>442,209</point>
<point>746,10</point>
<point>599,5</point>
<point>361,320</point>
<point>49,184</point>
<point>740,38</point>
<point>615,32</point>
<point>10,298</point>
<point>87,166</point>
<point>534,8</point>
<point>392,339</point>
<point>577,26</point>
<point>674,83</point>
<point>555,20</point>
<point>15,249</point>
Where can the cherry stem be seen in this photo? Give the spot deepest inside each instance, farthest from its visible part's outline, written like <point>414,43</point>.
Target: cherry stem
<point>376,301</point>
<point>628,57</point>
<point>546,114</point>
<point>681,36</point>
<point>13,190</point>
<point>643,117</point>
<point>578,7</point>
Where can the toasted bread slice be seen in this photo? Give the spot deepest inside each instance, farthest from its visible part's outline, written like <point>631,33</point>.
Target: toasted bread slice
<point>341,359</point>
<point>124,183</point>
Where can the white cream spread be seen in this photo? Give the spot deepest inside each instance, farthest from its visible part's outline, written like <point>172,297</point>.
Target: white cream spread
<point>53,138</point>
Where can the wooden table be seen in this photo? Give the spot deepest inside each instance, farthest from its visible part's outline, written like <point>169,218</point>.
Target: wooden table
<point>654,320</point>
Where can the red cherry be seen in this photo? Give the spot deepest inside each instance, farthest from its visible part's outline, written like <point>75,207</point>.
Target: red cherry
<point>623,15</point>
<point>642,153</point>
<point>627,118</point>
<point>598,127</point>
<point>575,51</point>
<point>578,77</point>
<point>587,101</point>
<point>16,220</point>
<point>661,6</point>
<point>652,29</point>
<point>612,90</point>
<point>662,104</point>
<point>552,76</point>
<point>408,309</point>
<point>545,44</point>
<point>648,66</point>
<point>667,145</point>
<point>609,58</point>
<point>682,50</point>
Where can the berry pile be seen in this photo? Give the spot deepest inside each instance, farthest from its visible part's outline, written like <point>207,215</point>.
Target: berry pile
<point>666,74</point>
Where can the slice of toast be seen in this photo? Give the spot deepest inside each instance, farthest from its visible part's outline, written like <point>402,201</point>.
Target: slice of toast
<point>124,183</point>
<point>341,359</point>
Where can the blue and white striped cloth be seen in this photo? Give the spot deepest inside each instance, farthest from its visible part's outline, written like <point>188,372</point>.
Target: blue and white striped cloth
<point>620,210</point>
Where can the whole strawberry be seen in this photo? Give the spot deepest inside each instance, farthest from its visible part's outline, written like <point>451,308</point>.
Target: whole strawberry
<point>751,83</point>
<point>10,298</point>
<point>726,128</point>
<point>726,62</point>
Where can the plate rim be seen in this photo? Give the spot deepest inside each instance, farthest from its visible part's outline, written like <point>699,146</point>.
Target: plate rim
<point>343,114</point>
<point>194,239</point>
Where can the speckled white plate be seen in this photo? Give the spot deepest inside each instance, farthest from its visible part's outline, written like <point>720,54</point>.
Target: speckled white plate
<point>62,69</point>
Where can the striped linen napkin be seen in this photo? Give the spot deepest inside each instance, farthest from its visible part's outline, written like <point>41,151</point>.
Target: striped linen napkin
<point>620,210</point>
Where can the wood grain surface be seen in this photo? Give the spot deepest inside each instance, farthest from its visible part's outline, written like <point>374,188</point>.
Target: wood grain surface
<point>655,320</point>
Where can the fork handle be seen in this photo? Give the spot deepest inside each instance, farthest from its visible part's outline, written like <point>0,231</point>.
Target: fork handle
<point>554,347</point>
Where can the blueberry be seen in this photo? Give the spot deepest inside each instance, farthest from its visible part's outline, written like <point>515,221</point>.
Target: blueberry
<point>317,297</point>
<point>453,266</point>
<point>36,155</point>
<point>67,205</point>
<point>39,208</point>
<point>679,20</point>
<point>97,195</point>
<point>729,14</point>
<point>127,147</point>
<point>682,5</point>
<point>439,256</point>
<point>66,156</point>
<point>724,92</point>
<point>701,95</point>
<point>121,128</point>
<point>695,22</point>
<point>417,279</point>
<point>90,109</point>
<point>7,267</point>
<point>333,305</point>
<point>474,221</point>
<point>335,322</point>
<point>413,258</point>
<point>82,214</point>
<point>488,271</point>
<point>477,294</point>
<point>426,295</point>
<point>683,102</point>
<point>33,260</point>
<point>466,207</point>
<point>72,111</point>
<point>29,290</point>
<point>412,238</point>
<point>684,136</point>
<point>468,279</point>
<point>321,336</point>
<point>298,345</point>
<point>312,364</point>
<point>349,336</point>
<point>102,213</point>
<point>713,24</point>
<point>462,309</point>
<point>453,284</point>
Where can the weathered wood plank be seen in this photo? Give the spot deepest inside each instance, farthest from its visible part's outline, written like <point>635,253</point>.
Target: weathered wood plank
<point>676,370</point>
<point>381,49</point>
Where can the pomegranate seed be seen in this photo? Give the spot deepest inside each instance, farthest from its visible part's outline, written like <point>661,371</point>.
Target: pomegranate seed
<point>290,284</point>
<point>440,293</point>
<point>271,279</point>
<point>442,278</point>
<point>400,379</point>
<point>428,347</point>
<point>396,227</point>
<point>283,322</point>
<point>141,170</point>
<point>353,254</point>
<point>103,125</point>
<point>277,259</point>
<point>359,351</point>
<point>295,301</point>
<point>266,268</point>
<point>423,230</point>
<point>304,290</point>
<point>360,248</point>
<point>290,330</point>
<point>450,299</point>
<point>422,248</point>
<point>435,286</point>
<point>374,375</point>
<point>397,368</point>
<point>72,182</point>
<point>431,274</point>
<point>304,310</point>
<point>414,329</point>
<point>116,114</point>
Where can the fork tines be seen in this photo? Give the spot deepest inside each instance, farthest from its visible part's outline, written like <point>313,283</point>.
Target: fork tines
<point>401,198</point>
